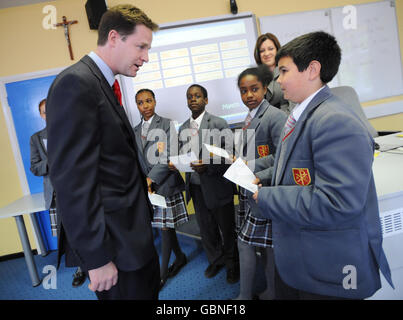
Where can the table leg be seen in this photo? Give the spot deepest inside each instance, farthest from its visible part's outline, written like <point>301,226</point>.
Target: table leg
<point>38,232</point>
<point>29,259</point>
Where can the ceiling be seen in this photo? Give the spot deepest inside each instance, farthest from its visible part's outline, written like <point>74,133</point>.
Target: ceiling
<point>17,3</point>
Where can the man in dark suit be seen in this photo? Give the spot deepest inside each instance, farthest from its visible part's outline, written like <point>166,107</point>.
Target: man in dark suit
<point>39,167</point>
<point>101,193</point>
<point>212,194</point>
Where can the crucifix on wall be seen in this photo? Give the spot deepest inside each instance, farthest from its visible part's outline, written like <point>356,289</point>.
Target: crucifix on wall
<point>66,25</point>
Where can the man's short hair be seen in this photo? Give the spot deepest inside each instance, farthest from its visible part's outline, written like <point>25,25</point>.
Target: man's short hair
<point>203,89</point>
<point>319,46</point>
<point>122,18</point>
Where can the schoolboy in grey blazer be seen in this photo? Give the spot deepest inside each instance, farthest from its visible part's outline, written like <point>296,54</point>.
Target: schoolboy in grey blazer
<point>212,194</point>
<point>322,202</point>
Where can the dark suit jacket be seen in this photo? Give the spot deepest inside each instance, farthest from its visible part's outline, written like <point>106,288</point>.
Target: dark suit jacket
<point>101,192</point>
<point>154,156</point>
<point>324,207</point>
<point>217,191</point>
<point>39,163</point>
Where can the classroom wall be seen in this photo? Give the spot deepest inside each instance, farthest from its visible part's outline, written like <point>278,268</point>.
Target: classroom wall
<point>28,47</point>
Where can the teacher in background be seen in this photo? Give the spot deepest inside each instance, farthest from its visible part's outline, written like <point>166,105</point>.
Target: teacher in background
<point>101,192</point>
<point>265,52</point>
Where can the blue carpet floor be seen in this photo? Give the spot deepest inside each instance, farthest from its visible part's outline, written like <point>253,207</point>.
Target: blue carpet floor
<point>189,284</point>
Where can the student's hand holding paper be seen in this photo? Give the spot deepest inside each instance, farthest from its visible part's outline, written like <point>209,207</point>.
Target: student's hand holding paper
<point>255,195</point>
<point>182,162</point>
<point>256,181</point>
<point>198,166</point>
<point>149,183</point>
<point>171,166</point>
<point>240,174</point>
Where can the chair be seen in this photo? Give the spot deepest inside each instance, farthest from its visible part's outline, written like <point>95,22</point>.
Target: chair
<point>349,96</point>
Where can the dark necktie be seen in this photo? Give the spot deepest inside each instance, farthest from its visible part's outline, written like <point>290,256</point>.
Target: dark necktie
<point>117,92</point>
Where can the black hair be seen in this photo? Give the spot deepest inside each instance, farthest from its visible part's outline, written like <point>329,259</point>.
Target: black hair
<point>203,89</point>
<point>261,72</point>
<point>319,46</point>
<point>144,90</point>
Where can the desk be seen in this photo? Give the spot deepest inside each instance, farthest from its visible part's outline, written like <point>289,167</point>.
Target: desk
<point>28,204</point>
<point>390,141</point>
<point>388,175</point>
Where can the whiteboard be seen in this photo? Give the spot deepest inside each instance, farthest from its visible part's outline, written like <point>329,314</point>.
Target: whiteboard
<point>211,52</point>
<point>371,60</point>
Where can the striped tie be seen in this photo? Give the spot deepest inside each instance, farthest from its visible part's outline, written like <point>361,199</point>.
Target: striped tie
<point>247,121</point>
<point>195,127</point>
<point>289,126</point>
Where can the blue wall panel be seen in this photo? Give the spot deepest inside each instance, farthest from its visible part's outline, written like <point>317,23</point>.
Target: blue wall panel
<point>23,99</point>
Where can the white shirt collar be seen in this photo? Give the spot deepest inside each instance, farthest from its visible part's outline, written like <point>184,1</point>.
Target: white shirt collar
<point>106,71</point>
<point>255,110</point>
<point>149,120</point>
<point>299,108</point>
<point>198,119</point>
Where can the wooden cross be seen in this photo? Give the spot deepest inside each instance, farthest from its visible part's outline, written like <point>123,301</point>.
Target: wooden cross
<point>66,24</point>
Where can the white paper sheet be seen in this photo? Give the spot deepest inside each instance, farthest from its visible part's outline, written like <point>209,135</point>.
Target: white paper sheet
<point>240,174</point>
<point>182,162</point>
<point>217,151</point>
<point>157,200</point>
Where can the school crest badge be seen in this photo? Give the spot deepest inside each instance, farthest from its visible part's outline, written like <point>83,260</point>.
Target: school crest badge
<point>301,176</point>
<point>263,150</point>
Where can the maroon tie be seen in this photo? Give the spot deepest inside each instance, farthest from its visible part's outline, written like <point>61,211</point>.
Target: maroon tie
<point>117,92</point>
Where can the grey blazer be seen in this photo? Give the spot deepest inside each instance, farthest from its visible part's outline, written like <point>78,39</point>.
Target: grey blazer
<point>39,163</point>
<point>324,207</point>
<point>160,135</point>
<point>267,125</point>
<point>217,190</point>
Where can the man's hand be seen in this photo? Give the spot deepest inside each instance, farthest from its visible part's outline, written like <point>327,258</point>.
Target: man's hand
<point>103,278</point>
<point>198,166</point>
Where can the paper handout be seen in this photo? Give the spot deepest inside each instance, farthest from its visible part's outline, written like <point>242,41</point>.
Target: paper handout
<point>217,151</point>
<point>182,162</point>
<point>240,174</point>
<point>157,200</point>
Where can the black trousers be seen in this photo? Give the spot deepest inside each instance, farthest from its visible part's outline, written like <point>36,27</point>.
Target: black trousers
<point>142,284</point>
<point>217,229</point>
